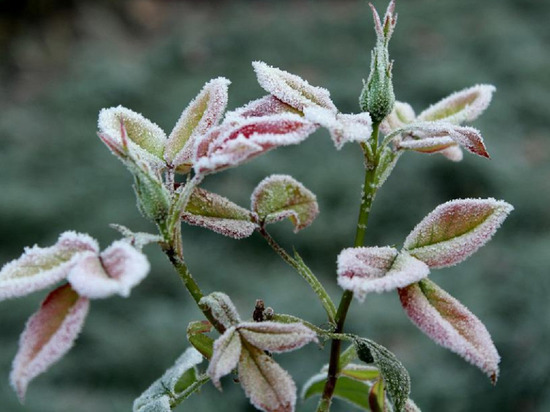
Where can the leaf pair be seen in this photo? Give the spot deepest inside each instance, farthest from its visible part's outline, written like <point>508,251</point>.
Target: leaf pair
<point>243,345</point>
<point>437,129</point>
<point>91,274</point>
<point>277,197</point>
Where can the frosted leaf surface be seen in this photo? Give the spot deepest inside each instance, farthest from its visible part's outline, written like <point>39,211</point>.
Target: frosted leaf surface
<point>116,270</point>
<point>281,196</point>
<point>217,213</point>
<point>450,324</point>
<point>39,268</point>
<point>233,143</point>
<point>143,138</point>
<point>136,239</point>
<point>227,350</point>
<point>343,128</point>
<point>203,113</point>
<point>268,386</point>
<point>401,115</point>
<point>455,230</point>
<point>459,107</point>
<point>410,406</point>
<point>264,106</point>
<point>428,145</point>
<point>48,335</point>
<point>291,89</point>
<point>222,308</point>
<point>276,337</point>
<point>157,397</point>
<point>377,269</point>
<point>453,153</point>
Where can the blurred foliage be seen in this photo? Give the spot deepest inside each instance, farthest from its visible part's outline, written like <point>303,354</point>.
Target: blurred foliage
<point>60,64</point>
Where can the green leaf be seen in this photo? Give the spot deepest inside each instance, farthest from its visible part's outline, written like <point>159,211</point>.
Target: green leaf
<point>377,397</point>
<point>196,337</point>
<point>393,372</point>
<point>347,389</point>
<point>281,196</point>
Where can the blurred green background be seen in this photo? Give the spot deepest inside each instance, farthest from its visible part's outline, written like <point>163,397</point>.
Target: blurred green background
<point>62,61</point>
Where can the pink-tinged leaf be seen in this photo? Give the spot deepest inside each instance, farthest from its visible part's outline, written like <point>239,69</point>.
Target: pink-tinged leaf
<point>264,106</point>
<point>143,138</point>
<point>235,142</point>
<point>203,113</point>
<point>401,115</point>
<point>227,351</point>
<point>427,145</point>
<point>377,269</point>
<point>343,128</point>
<point>222,308</point>
<point>450,324</point>
<point>281,196</point>
<point>385,29</point>
<point>276,337</point>
<point>455,230</point>
<point>48,335</point>
<point>268,386</point>
<point>453,153</point>
<point>215,212</point>
<point>116,270</point>
<point>291,89</point>
<point>463,106</point>
<point>39,268</point>
<point>470,139</point>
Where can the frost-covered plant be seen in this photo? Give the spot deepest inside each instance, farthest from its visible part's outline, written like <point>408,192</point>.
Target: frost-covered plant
<point>206,140</point>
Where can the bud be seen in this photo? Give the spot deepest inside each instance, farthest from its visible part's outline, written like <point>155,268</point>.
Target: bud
<point>377,96</point>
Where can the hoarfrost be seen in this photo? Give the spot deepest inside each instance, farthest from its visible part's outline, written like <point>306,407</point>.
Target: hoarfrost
<point>276,337</point>
<point>227,351</point>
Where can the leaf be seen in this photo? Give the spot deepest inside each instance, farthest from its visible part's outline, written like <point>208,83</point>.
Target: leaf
<point>455,230</point>
<point>49,334</point>
<point>410,406</point>
<point>291,89</point>
<point>401,115</point>
<point>116,270</point>
<point>203,113</point>
<point>396,377</point>
<point>360,372</point>
<point>276,337</point>
<point>377,397</point>
<point>235,142</point>
<point>196,337</point>
<point>178,381</point>
<point>281,196</point>
<point>136,239</point>
<point>463,106</point>
<point>450,324</point>
<point>268,386</point>
<point>221,307</point>
<point>227,350</point>
<point>39,268</point>
<point>377,269</point>
<point>215,212</point>
<point>347,389</point>
<point>264,106</point>
<point>129,129</point>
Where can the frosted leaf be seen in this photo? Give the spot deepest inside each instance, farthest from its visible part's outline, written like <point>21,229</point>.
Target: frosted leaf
<point>48,335</point>
<point>227,350</point>
<point>384,30</point>
<point>233,143</point>
<point>291,89</point>
<point>401,115</point>
<point>222,308</point>
<point>360,372</point>
<point>343,128</point>
<point>39,268</point>
<point>203,113</point>
<point>157,397</point>
<point>215,212</point>
<point>450,324</point>
<point>463,106</point>
<point>276,337</point>
<point>144,139</point>
<point>410,406</point>
<point>136,239</point>
<point>264,106</point>
<point>377,269</point>
<point>453,153</point>
<point>268,386</point>
<point>455,230</point>
<point>428,145</point>
<point>281,196</point>
<point>116,270</point>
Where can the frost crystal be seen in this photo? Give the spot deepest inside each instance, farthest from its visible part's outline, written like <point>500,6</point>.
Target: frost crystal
<point>48,335</point>
<point>39,268</point>
<point>377,269</point>
<point>455,230</point>
<point>450,324</point>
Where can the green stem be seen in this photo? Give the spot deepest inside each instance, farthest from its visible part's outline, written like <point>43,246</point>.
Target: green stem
<point>306,273</point>
<point>369,192</point>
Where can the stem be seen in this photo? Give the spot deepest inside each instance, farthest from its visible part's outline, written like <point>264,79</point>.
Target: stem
<point>305,272</point>
<point>369,192</point>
